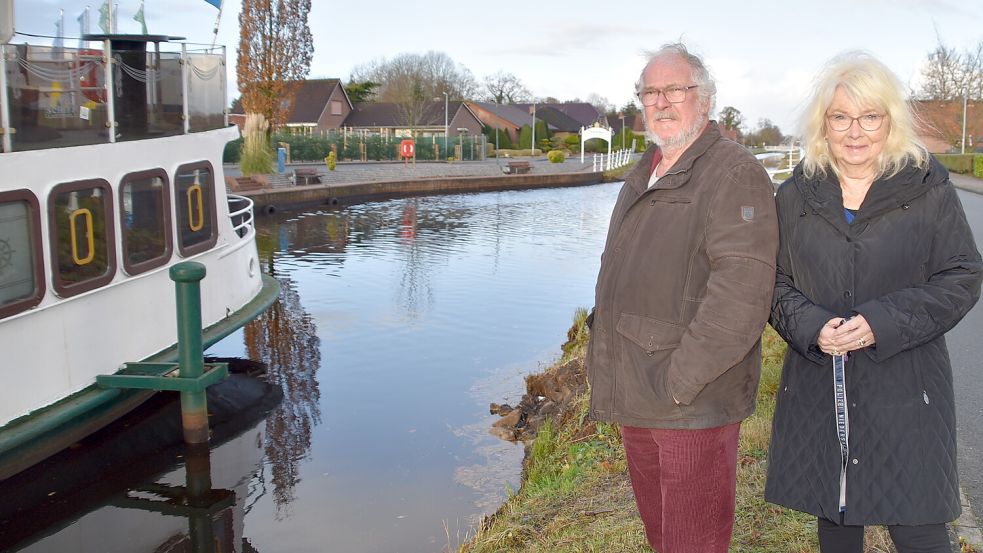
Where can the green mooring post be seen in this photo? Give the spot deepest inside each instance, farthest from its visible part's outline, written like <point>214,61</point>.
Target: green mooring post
<point>194,405</point>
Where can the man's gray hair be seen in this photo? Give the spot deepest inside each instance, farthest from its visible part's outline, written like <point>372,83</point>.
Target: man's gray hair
<point>707,89</point>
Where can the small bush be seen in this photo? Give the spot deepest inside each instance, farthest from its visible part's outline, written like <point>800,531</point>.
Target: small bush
<point>555,156</point>
<point>331,160</point>
<point>978,166</point>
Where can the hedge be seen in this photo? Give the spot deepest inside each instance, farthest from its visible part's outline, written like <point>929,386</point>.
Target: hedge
<point>957,163</point>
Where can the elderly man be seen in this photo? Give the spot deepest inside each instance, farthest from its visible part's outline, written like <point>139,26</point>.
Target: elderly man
<point>682,296</point>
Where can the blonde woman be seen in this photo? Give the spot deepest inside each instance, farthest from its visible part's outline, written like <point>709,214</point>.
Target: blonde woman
<point>876,263</point>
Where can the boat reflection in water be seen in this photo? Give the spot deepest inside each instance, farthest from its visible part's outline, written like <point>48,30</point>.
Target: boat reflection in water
<point>136,487</point>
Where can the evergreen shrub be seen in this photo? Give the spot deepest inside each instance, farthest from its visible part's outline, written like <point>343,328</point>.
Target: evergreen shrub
<point>555,156</point>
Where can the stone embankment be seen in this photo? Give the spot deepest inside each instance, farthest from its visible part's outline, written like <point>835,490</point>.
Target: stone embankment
<point>354,182</point>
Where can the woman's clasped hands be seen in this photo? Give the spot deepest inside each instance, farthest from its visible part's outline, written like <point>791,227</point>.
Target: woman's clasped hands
<point>839,335</point>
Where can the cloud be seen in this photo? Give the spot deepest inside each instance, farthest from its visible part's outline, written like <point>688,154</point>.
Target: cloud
<point>565,39</point>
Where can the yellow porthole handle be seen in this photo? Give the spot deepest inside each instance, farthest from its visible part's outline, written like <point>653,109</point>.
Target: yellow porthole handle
<point>196,189</point>
<point>89,235</point>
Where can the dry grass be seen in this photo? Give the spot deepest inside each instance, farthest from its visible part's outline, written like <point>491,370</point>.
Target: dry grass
<point>576,497</point>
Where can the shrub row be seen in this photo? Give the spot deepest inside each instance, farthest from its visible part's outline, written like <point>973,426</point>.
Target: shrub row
<point>963,163</point>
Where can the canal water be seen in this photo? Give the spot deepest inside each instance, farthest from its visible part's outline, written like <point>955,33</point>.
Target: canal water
<point>398,323</point>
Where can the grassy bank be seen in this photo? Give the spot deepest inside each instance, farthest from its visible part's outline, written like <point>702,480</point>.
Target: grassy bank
<point>576,497</point>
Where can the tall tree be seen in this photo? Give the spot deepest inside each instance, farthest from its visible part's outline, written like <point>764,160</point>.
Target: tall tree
<point>505,88</point>
<point>274,55</point>
<point>766,133</point>
<point>364,91</point>
<point>731,118</point>
<point>630,108</point>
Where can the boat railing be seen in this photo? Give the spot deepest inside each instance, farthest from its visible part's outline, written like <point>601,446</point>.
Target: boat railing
<point>54,96</point>
<point>241,214</point>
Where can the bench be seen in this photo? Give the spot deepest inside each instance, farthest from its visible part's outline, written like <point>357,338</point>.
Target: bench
<point>306,175</point>
<point>516,168</point>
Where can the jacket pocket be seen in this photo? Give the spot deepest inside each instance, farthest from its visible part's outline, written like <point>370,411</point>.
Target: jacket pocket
<point>663,199</point>
<point>647,346</point>
<point>650,334</point>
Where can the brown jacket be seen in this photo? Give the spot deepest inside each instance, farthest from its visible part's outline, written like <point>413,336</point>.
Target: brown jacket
<point>684,291</point>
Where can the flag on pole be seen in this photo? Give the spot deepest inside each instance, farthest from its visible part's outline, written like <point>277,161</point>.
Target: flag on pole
<point>59,41</point>
<point>216,3</point>
<point>104,17</point>
<point>140,19</point>
<point>83,20</point>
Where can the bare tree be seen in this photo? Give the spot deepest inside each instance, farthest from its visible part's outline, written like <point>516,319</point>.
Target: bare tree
<point>431,74</point>
<point>600,103</point>
<point>973,71</point>
<point>274,55</point>
<point>505,88</point>
<point>942,74</point>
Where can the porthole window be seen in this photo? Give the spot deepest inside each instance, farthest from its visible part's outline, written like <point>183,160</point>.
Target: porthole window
<point>145,220</point>
<point>82,239</point>
<point>194,208</point>
<point>21,269</point>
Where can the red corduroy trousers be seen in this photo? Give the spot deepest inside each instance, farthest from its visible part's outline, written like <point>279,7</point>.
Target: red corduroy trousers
<point>684,483</point>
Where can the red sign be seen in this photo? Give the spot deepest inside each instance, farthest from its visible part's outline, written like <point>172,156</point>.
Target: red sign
<point>407,148</point>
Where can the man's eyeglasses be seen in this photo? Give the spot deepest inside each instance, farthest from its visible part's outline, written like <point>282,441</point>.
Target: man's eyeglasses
<point>673,94</point>
<point>841,122</point>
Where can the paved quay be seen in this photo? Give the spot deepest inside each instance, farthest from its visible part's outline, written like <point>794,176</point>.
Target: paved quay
<point>357,181</point>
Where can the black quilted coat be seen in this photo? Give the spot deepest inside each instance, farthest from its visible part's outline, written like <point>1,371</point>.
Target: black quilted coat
<point>909,265</point>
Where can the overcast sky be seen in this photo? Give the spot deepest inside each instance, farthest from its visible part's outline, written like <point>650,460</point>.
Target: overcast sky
<point>763,53</point>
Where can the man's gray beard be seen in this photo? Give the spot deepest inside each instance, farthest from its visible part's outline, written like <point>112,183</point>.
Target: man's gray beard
<point>681,140</point>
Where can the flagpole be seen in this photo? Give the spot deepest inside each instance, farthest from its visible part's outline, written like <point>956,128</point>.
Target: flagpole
<point>218,20</point>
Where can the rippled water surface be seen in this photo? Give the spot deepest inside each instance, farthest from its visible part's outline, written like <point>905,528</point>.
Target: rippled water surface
<point>398,323</point>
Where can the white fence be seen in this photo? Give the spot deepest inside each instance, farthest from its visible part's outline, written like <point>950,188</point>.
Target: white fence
<point>606,162</point>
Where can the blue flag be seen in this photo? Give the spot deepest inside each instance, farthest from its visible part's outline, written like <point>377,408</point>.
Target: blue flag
<point>216,3</point>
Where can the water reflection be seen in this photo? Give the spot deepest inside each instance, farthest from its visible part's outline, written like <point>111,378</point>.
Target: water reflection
<point>400,322</point>
<point>135,487</point>
<point>285,339</point>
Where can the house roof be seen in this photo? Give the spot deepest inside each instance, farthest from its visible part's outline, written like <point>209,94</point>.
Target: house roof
<point>391,115</point>
<point>558,121</point>
<point>311,98</point>
<point>508,112</point>
<point>309,101</point>
<point>634,123</point>
<point>582,112</point>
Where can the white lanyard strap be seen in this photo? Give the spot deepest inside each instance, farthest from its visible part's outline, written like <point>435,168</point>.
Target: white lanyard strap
<point>842,421</point>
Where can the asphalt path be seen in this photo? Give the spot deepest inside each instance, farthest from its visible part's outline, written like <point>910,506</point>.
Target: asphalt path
<point>966,351</point>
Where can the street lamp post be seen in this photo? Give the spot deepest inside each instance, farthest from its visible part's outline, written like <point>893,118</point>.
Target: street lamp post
<point>496,130</point>
<point>622,117</point>
<point>965,99</point>
<point>445,124</point>
<point>532,151</point>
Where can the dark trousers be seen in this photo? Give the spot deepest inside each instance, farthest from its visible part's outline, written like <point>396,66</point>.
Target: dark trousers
<point>684,483</point>
<point>929,538</point>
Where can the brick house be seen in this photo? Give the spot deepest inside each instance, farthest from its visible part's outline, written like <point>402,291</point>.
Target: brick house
<point>941,125</point>
<point>388,118</point>
<point>319,105</point>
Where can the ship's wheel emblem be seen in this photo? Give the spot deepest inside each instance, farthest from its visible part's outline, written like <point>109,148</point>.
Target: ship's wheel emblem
<point>6,255</point>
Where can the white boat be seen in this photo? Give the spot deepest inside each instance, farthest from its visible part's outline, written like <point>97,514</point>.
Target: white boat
<point>112,173</point>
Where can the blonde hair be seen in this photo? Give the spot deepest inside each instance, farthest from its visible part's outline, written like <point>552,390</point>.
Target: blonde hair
<point>868,82</point>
